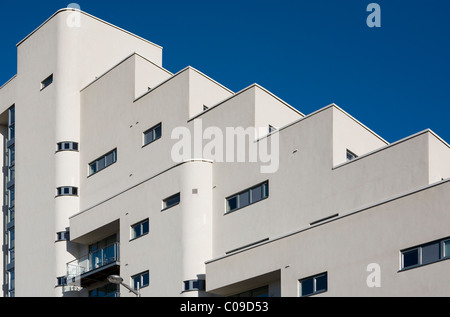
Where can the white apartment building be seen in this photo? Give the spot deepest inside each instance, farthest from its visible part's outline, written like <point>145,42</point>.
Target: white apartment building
<point>92,189</point>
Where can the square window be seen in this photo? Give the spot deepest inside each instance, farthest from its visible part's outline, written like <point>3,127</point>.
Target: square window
<point>410,258</point>
<point>430,253</point>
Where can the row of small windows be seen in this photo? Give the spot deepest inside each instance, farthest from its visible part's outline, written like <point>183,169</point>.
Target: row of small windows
<point>426,254</point>
<point>103,162</point>
<point>247,197</point>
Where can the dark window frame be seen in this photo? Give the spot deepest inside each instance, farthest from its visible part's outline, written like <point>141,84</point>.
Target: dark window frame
<point>265,193</point>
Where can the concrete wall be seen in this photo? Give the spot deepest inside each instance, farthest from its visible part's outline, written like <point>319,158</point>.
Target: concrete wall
<point>344,248</point>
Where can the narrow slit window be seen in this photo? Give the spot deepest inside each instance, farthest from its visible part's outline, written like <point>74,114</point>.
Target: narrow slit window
<point>47,82</point>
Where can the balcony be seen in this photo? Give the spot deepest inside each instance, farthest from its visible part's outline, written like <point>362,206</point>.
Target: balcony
<point>94,267</point>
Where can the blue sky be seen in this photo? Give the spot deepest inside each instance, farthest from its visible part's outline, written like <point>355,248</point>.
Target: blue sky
<point>395,79</point>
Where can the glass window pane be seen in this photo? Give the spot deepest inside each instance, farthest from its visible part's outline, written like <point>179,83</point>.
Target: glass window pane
<point>145,279</point>
<point>232,203</point>
<point>101,164</point>
<point>136,231</point>
<point>430,253</point>
<point>158,132</point>
<point>110,158</point>
<point>172,201</point>
<point>307,287</point>
<point>321,283</point>
<point>136,280</point>
<point>93,168</point>
<point>447,248</point>
<point>244,199</point>
<point>145,227</point>
<point>410,258</point>
<point>257,194</point>
<point>148,137</point>
<point>265,190</point>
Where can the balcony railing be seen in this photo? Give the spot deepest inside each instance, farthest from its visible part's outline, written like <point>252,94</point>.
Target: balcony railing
<point>95,261</point>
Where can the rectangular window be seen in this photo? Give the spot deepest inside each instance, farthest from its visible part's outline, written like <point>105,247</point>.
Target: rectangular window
<point>314,285</point>
<point>139,229</point>
<point>67,146</point>
<point>47,82</point>
<point>171,201</point>
<point>103,162</point>
<point>141,280</point>
<point>425,254</point>
<point>67,191</point>
<point>248,197</point>
<point>152,134</point>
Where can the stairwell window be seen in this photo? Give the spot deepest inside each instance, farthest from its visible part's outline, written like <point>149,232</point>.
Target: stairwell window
<point>103,162</point>
<point>67,191</point>
<point>47,82</point>
<point>247,197</point>
<point>67,146</point>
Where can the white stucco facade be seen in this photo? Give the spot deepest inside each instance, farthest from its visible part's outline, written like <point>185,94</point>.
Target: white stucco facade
<point>322,214</point>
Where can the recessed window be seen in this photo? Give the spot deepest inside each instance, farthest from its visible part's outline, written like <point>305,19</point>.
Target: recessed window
<point>139,229</point>
<point>63,236</point>
<point>248,197</point>
<point>425,254</point>
<point>47,82</point>
<point>194,285</point>
<point>103,162</point>
<point>351,155</point>
<point>314,285</point>
<point>152,134</point>
<point>171,201</point>
<point>67,191</point>
<point>61,281</point>
<point>67,146</point>
<point>141,280</point>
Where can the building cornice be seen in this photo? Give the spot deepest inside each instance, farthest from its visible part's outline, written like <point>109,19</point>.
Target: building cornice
<point>90,16</point>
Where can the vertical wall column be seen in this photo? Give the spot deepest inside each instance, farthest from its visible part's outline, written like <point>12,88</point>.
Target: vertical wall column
<point>196,216</point>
